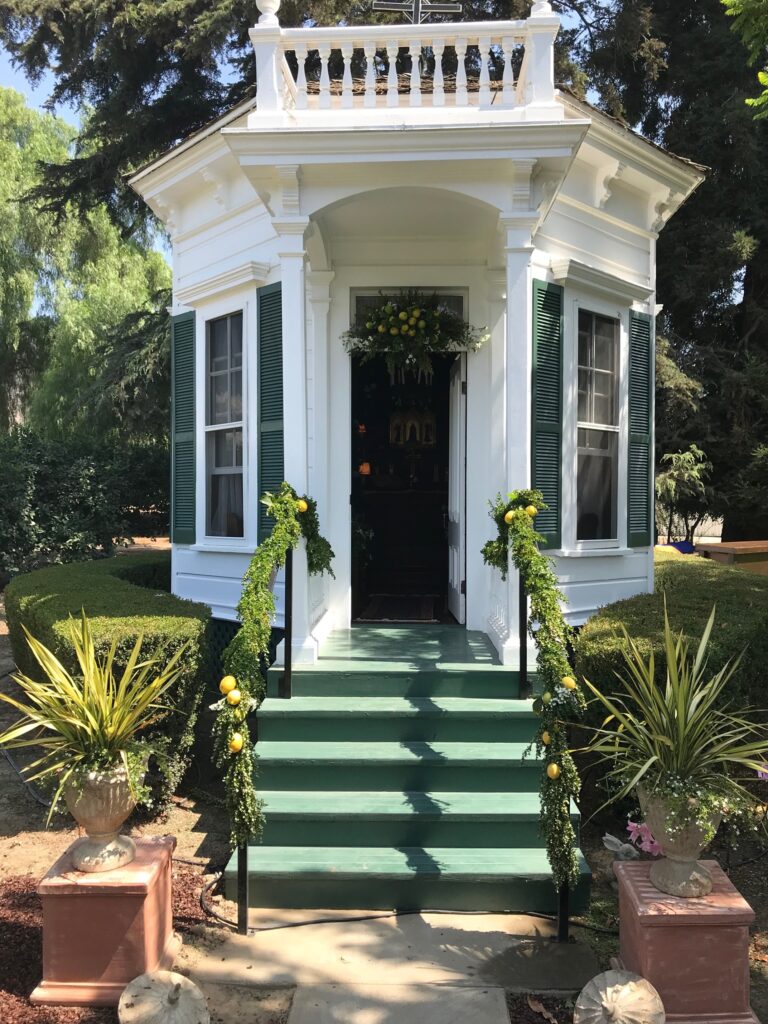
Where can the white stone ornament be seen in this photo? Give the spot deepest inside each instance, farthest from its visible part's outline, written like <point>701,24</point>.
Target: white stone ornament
<point>162,997</point>
<point>619,997</point>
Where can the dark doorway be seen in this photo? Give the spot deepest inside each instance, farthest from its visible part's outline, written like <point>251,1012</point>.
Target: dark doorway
<point>399,493</point>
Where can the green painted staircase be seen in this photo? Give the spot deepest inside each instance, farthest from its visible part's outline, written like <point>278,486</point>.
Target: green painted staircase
<point>395,777</point>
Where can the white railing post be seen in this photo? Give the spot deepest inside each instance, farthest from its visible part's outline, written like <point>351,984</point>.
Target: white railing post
<point>265,37</point>
<point>542,27</point>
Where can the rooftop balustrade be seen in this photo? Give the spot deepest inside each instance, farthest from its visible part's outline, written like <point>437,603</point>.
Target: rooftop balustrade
<point>380,74</point>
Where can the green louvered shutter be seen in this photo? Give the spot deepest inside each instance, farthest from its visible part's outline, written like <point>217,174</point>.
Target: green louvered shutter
<point>270,341</point>
<point>547,425</point>
<point>183,429</point>
<point>639,471</point>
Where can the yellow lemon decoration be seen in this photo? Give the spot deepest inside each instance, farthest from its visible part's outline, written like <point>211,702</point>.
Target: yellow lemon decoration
<point>403,315</point>
<point>553,770</point>
<point>546,739</point>
<point>382,328</point>
<point>234,697</point>
<point>236,743</point>
<point>394,330</point>
<point>227,684</point>
<point>531,510</point>
<point>509,516</point>
<point>546,697</point>
<point>569,682</point>
<point>301,505</point>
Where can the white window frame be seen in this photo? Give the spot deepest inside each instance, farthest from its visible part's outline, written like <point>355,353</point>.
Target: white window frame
<point>216,428</point>
<point>241,300</point>
<point>574,304</point>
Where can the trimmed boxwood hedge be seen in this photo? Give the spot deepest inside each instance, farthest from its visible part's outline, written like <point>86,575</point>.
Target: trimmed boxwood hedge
<point>124,597</point>
<point>692,586</point>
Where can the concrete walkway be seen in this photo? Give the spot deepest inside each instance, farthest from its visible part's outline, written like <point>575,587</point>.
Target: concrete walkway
<point>410,970</point>
<point>398,1004</point>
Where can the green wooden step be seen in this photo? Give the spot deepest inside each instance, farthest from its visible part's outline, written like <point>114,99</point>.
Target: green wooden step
<point>396,718</point>
<point>396,679</point>
<point>409,766</point>
<point>304,818</point>
<point>407,878</point>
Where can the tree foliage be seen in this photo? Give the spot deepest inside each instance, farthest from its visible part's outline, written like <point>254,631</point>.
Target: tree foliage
<point>751,23</point>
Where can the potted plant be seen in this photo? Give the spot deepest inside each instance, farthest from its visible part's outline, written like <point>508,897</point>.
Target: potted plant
<point>87,727</point>
<point>683,749</point>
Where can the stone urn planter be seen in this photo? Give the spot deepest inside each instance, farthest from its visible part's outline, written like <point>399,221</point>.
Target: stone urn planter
<point>679,871</point>
<point>100,802</point>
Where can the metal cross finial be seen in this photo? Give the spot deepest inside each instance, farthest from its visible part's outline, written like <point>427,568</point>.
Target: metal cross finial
<point>417,11</point>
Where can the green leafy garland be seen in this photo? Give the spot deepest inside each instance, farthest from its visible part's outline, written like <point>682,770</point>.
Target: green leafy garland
<point>243,686</point>
<point>408,329</point>
<point>561,700</point>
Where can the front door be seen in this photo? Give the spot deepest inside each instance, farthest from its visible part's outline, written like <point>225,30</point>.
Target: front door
<point>457,488</point>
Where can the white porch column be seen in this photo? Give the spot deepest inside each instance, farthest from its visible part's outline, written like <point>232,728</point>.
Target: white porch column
<point>542,28</point>
<point>518,251</point>
<point>295,438</point>
<point>318,356</point>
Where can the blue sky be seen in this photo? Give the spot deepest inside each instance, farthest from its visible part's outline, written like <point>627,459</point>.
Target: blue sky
<point>11,77</point>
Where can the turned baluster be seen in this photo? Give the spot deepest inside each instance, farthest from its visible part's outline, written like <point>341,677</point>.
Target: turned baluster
<point>301,79</point>
<point>392,51</point>
<point>369,48</point>
<point>414,48</point>
<point>508,79</point>
<point>346,78</point>
<point>438,90</point>
<point>461,73</point>
<point>324,52</point>
<point>484,46</point>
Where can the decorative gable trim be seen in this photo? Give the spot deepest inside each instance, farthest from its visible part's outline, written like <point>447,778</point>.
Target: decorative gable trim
<point>574,272</point>
<point>201,291</point>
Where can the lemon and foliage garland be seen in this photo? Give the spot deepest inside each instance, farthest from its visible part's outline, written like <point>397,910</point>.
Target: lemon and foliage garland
<point>560,700</point>
<point>408,329</point>
<point>243,687</point>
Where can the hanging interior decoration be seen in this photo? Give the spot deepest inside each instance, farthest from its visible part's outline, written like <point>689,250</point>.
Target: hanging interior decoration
<point>560,700</point>
<point>242,688</point>
<point>407,330</point>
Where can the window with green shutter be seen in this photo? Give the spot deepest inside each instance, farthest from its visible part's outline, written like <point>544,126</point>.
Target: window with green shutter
<point>640,454</point>
<point>183,429</point>
<point>270,393</point>
<point>547,416</point>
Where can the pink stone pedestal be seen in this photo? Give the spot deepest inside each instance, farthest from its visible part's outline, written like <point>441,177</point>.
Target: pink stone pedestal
<point>102,930</point>
<point>695,952</point>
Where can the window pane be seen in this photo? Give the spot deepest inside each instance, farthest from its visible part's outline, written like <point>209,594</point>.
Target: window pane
<point>225,511</point>
<point>605,343</point>
<point>596,485</point>
<point>219,399</point>
<point>236,396</point>
<point>236,339</point>
<point>604,400</point>
<point>238,447</point>
<point>219,357</point>
<point>223,449</point>
<point>583,413</point>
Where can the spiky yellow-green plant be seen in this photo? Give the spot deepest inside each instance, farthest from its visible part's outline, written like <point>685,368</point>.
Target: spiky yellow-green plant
<point>90,721</point>
<point>680,740</point>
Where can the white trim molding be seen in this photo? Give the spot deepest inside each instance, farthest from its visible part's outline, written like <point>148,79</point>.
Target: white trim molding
<point>581,275</point>
<point>202,291</point>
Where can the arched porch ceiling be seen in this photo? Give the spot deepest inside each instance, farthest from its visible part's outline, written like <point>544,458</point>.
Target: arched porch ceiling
<point>406,225</point>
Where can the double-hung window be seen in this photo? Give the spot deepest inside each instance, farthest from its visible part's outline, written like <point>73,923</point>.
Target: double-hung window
<point>598,428</point>
<point>224,426</point>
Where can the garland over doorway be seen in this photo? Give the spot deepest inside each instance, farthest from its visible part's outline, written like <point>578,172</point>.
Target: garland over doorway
<point>407,330</point>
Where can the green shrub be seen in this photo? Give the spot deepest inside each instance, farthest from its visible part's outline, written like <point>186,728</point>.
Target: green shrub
<point>65,500</point>
<point>120,609</point>
<point>691,586</point>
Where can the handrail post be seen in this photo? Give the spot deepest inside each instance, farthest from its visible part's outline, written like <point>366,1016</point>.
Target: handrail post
<point>242,890</point>
<point>563,912</point>
<point>285,679</point>
<point>522,601</point>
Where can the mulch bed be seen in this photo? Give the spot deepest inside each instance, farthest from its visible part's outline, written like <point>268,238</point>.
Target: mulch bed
<point>535,1009</point>
<point>21,948</point>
